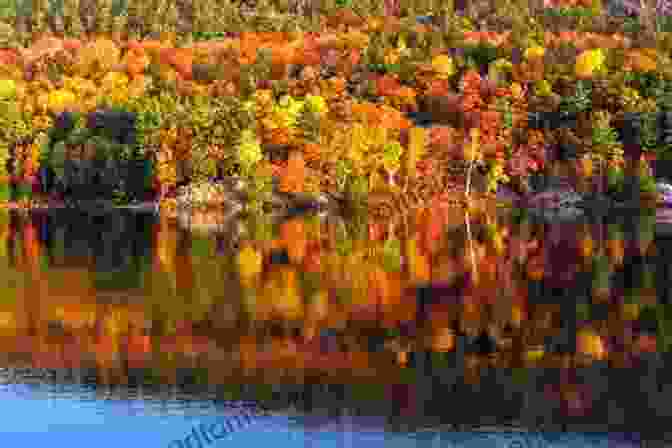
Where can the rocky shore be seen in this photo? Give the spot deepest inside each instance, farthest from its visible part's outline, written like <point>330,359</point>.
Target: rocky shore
<point>559,200</point>
<point>234,193</point>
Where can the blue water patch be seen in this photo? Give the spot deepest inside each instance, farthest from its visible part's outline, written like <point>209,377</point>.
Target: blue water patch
<point>424,20</point>
<point>39,417</point>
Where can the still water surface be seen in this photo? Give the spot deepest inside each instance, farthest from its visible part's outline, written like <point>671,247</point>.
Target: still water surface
<point>130,328</point>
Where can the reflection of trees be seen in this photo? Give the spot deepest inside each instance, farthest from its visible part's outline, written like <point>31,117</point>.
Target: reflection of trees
<point>563,273</point>
<point>530,279</point>
<point>109,240</point>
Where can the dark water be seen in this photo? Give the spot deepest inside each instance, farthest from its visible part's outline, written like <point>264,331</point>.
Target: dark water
<point>128,328</point>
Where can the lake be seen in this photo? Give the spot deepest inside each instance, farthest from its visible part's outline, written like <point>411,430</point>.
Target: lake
<point>434,328</point>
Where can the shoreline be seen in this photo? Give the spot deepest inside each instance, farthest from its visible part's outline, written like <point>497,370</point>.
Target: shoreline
<point>61,205</point>
<point>232,201</point>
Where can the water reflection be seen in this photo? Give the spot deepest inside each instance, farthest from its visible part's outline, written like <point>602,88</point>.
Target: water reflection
<point>394,317</point>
